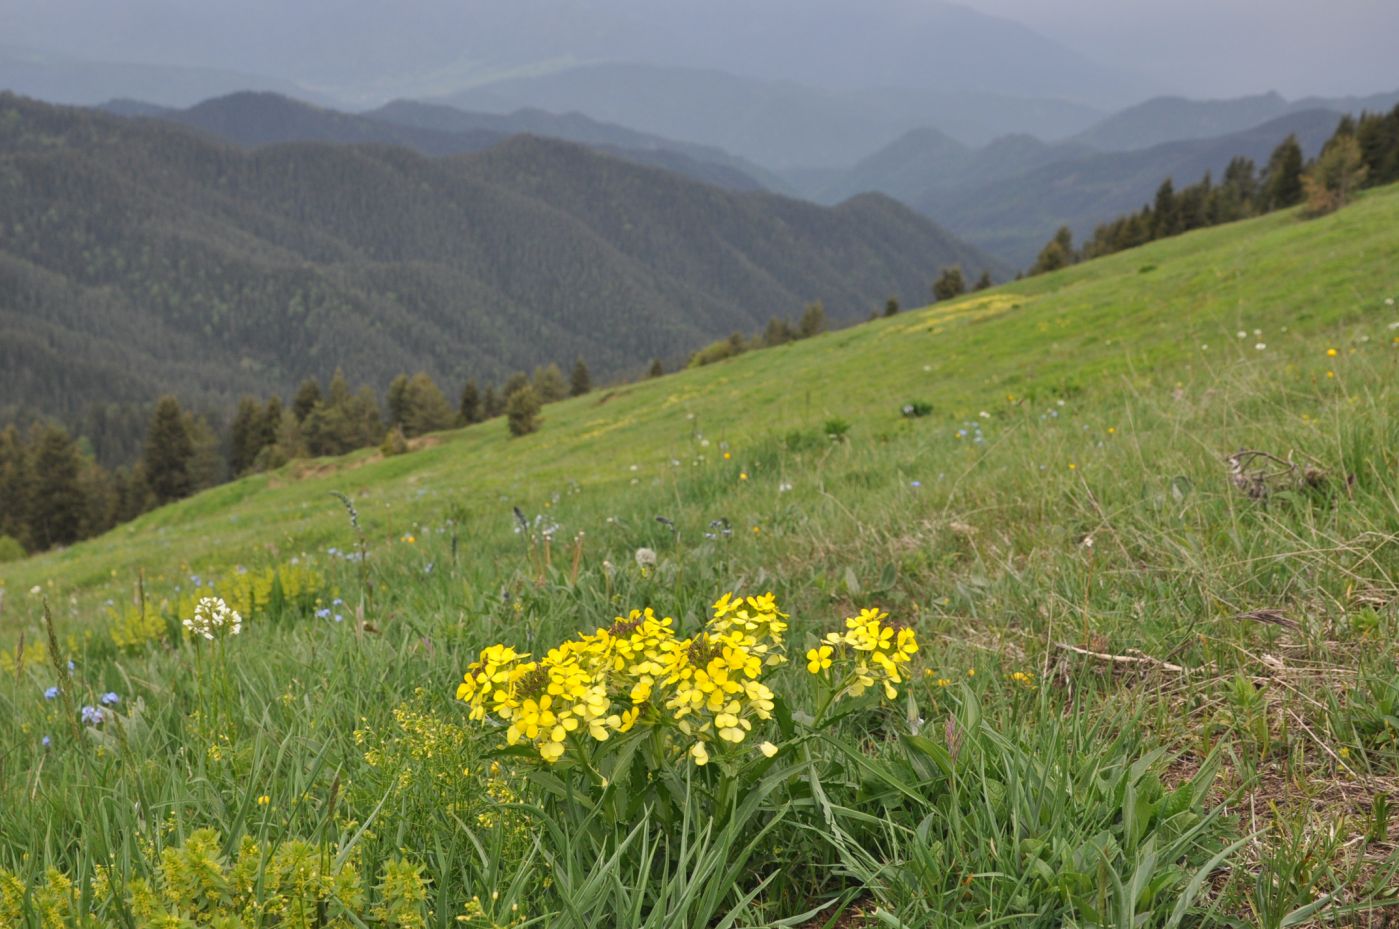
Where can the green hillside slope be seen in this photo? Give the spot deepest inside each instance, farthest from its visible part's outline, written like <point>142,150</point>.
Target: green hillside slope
<point>1144,314</point>
<point>1137,683</point>
<point>138,258</point>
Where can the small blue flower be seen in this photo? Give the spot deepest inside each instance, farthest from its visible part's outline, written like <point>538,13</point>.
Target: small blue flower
<point>339,618</point>
<point>337,602</point>
<point>915,484</point>
<point>323,613</point>
<point>51,693</point>
<point>92,716</point>
<point>110,699</point>
<point>46,741</point>
<point>71,666</point>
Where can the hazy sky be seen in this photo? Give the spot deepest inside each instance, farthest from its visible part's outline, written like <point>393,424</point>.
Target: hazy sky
<point>1205,48</point>
<point>1228,47</point>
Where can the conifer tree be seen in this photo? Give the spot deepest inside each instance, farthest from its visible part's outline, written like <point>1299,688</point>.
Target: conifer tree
<point>778,331</point>
<point>522,411</point>
<point>132,492</point>
<point>581,382</point>
<point>470,409</point>
<point>949,284</point>
<point>56,503</point>
<point>269,422</point>
<point>1164,219</point>
<point>425,409</point>
<point>99,497</point>
<point>307,396</point>
<point>1335,176</point>
<point>656,369</point>
<point>983,282</point>
<point>891,306</point>
<point>168,452</point>
<point>14,486</point>
<point>244,435</point>
<point>396,401</point>
<point>491,404</point>
<point>289,444</point>
<point>813,320</point>
<point>513,383</point>
<point>1057,253</point>
<point>1282,179</point>
<point>206,466</point>
<point>549,383</point>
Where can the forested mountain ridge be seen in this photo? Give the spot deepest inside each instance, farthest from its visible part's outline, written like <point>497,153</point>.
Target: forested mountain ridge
<point>1175,119</point>
<point>576,127</point>
<point>259,118</point>
<point>1013,216</point>
<point>138,258</point>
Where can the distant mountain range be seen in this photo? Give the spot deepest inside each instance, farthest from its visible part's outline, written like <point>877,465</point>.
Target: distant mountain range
<point>1174,119</point>
<point>253,119</point>
<point>928,159</point>
<point>1012,217</point>
<point>138,257</point>
<point>780,125</point>
<point>60,78</point>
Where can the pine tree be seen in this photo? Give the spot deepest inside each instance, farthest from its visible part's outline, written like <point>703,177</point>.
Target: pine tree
<point>1164,218</point>
<point>14,486</point>
<point>949,284</point>
<point>470,409</point>
<point>366,423</point>
<point>1335,176</point>
<point>168,452</point>
<point>244,436</point>
<point>522,411</point>
<point>134,498</point>
<point>778,331</point>
<point>99,497</point>
<point>339,390</point>
<point>396,401</point>
<point>513,383</point>
<point>983,282</point>
<point>307,396</point>
<point>656,369</point>
<point>289,445</point>
<point>425,408</point>
<point>206,465</point>
<point>491,404</point>
<point>1282,179</point>
<point>269,423</point>
<point>813,320</point>
<point>581,382</point>
<point>891,306</point>
<point>549,383</point>
<point>1057,253</point>
<point>56,503</point>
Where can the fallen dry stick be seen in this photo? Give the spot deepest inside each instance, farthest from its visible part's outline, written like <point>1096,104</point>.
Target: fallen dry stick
<point>1137,659</point>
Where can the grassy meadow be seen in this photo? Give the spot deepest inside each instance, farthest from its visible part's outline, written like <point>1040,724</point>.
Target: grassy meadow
<point>1141,515</point>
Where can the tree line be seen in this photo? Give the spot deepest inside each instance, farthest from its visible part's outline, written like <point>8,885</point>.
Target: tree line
<point>54,492</point>
<point>1362,152</point>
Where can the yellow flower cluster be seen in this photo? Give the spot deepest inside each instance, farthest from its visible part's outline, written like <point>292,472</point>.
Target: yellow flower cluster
<point>874,650</point>
<point>707,686</point>
<point>133,627</point>
<point>252,592</point>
